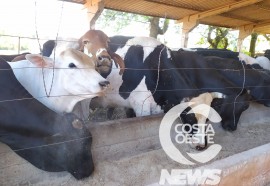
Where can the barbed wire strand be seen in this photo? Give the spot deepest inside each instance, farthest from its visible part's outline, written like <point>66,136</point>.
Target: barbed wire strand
<point>216,89</point>
<point>266,72</point>
<point>73,40</point>
<point>43,61</point>
<point>144,69</point>
<point>158,71</point>
<point>36,29</point>
<point>157,81</point>
<point>239,94</point>
<point>69,41</point>
<point>56,40</point>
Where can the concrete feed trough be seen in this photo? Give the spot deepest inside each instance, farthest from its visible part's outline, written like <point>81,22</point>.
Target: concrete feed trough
<point>128,152</point>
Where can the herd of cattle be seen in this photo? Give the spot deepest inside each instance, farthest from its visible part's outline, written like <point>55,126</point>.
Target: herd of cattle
<point>46,96</point>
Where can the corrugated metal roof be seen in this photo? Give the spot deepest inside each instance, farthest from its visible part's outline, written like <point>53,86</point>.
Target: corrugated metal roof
<point>257,13</point>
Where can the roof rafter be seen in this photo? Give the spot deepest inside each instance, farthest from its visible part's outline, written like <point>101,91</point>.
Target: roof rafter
<point>219,10</point>
<point>198,10</point>
<point>173,5</point>
<point>257,25</point>
<point>250,14</point>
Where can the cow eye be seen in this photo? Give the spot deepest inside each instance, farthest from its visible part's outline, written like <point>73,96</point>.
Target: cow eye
<point>72,65</point>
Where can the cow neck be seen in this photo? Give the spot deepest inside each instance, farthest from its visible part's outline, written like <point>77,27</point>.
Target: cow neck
<point>33,80</point>
<point>59,99</point>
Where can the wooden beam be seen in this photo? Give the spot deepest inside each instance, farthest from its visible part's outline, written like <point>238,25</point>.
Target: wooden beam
<point>220,10</point>
<point>244,31</point>
<point>256,25</point>
<point>187,27</point>
<point>262,24</point>
<point>238,17</point>
<point>263,7</point>
<point>259,25</point>
<point>185,7</point>
<point>89,3</point>
<point>94,10</point>
<point>167,3</point>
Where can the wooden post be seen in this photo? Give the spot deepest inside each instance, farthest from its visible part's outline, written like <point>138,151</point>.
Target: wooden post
<point>94,10</point>
<point>187,27</point>
<point>244,31</point>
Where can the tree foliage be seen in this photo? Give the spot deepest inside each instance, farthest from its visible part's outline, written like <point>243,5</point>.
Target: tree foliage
<point>118,20</point>
<point>267,36</point>
<point>252,46</point>
<point>155,28</point>
<point>220,39</point>
<point>216,37</point>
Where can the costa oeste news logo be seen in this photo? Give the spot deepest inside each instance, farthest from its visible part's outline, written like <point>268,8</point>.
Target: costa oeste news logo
<point>183,136</point>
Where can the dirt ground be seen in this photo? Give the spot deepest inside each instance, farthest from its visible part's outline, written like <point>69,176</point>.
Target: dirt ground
<point>140,169</point>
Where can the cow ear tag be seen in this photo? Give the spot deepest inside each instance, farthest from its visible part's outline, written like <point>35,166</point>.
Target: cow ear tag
<point>77,124</point>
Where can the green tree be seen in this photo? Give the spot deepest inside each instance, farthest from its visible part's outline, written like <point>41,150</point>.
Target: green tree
<point>118,20</point>
<point>220,39</point>
<point>216,37</point>
<point>155,28</point>
<point>267,36</point>
<point>253,41</point>
<point>252,46</point>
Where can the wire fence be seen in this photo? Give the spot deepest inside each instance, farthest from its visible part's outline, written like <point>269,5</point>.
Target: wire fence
<point>42,40</point>
<point>135,69</point>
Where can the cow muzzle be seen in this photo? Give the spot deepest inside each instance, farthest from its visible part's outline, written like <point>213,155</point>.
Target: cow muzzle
<point>102,58</point>
<point>103,62</point>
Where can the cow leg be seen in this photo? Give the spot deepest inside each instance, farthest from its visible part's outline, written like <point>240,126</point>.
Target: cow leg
<point>141,104</point>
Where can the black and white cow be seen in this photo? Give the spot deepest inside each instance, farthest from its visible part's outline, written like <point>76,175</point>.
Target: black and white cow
<point>117,42</point>
<point>49,141</point>
<point>155,79</point>
<point>260,62</point>
<point>223,53</point>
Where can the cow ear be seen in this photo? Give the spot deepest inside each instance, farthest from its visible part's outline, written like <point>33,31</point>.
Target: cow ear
<point>39,61</point>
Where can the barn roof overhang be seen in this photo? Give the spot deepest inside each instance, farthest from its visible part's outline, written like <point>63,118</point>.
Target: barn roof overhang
<point>233,14</point>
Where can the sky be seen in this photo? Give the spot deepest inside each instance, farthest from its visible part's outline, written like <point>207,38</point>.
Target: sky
<point>51,18</point>
<point>44,16</point>
<point>47,16</point>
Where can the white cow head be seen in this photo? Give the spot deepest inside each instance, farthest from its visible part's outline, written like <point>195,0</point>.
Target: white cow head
<point>74,72</point>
